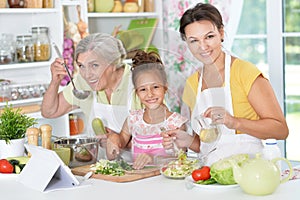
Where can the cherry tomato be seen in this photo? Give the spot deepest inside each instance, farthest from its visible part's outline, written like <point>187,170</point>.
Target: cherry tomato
<point>6,167</point>
<point>201,174</point>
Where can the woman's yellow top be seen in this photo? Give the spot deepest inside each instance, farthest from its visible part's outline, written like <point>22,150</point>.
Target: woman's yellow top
<point>242,76</point>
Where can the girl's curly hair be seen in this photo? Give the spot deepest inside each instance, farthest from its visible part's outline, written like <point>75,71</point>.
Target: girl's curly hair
<point>147,62</point>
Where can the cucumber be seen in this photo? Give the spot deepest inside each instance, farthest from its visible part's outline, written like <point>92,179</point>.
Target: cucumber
<point>21,159</point>
<point>98,126</point>
<point>18,169</point>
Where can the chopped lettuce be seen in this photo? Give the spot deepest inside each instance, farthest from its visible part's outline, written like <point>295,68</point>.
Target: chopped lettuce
<point>221,171</point>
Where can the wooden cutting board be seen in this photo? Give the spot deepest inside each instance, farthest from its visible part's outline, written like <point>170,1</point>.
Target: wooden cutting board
<point>128,177</point>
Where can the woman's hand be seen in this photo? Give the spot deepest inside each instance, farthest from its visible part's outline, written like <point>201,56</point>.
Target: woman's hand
<point>102,139</point>
<point>58,71</point>
<point>113,145</point>
<point>219,115</point>
<point>142,160</point>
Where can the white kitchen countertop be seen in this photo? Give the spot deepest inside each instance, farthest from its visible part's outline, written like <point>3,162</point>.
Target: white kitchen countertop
<point>158,187</point>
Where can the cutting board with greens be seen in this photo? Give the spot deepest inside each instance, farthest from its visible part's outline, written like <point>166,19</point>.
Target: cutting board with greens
<point>116,171</point>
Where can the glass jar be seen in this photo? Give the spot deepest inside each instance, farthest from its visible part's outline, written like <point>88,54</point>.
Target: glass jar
<point>5,91</point>
<point>24,48</point>
<point>41,43</point>
<point>7,46</point>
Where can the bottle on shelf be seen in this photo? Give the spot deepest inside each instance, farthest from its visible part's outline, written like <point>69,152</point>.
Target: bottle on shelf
<point>271,151</point>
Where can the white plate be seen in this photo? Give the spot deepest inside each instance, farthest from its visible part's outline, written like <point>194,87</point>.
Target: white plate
<point>214,186</point>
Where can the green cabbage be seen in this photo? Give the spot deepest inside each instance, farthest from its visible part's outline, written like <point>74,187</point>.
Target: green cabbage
<point>222,171</point>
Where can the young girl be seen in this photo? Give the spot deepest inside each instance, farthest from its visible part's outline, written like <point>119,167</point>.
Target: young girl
<point>145,125</point>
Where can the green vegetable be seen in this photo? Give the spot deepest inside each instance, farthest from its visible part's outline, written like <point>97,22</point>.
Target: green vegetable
<point>98,126</point>
<point>17,169</point>
<point>206,182</point>
<point>221,171</point>
<point>107,167</point>
<point>18,166</point>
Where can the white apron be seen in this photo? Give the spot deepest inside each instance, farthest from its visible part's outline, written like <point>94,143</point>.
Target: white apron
<point>229,143</point>
<point>112,116</point>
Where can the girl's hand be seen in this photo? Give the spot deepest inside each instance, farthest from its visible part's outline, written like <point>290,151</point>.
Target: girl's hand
<point>219,115</point>
<point>180,137</point>
<point>142,160</point>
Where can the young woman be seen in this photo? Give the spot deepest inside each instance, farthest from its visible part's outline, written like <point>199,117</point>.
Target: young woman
<point>230,91</point>
<point>145,125</point>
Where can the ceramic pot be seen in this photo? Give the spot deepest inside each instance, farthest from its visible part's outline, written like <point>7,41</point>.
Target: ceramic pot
<point>14,149</point>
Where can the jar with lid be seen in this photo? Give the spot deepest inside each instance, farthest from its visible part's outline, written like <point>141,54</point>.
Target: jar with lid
<point>41,43</point>
<point>5,91</point>
<point>24,48</point>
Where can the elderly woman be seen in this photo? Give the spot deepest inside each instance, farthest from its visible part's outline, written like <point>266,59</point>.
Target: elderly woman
<point>102,71</point>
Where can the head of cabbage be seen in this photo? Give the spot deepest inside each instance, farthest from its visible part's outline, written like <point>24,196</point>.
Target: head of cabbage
<point>222,172</point>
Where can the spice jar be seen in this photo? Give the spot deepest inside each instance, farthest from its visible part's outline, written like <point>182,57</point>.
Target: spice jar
<point>24,48</point>
<point>41,43</point>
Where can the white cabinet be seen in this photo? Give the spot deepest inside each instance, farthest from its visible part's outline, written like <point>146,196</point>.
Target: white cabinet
<point>19,21</point>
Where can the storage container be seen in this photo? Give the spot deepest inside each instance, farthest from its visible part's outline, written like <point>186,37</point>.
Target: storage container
<point>24,48</point>
<point>41,43</point>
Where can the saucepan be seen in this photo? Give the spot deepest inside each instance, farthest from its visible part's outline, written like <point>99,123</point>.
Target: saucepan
<point>84,151</point>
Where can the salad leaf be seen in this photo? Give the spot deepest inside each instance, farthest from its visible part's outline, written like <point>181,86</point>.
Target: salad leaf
<point>206,182</point>
<point>222,171</point>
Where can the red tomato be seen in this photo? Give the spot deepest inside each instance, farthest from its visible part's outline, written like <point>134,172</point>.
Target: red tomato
<point>6,167</point>
<point>201,174</point>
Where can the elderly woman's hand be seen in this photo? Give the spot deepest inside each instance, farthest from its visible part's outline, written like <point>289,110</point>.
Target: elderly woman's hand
<point>58,71</point>
<point>113,146</point>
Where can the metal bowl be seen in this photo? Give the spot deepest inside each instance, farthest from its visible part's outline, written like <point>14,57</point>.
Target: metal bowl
<point>84,151</point>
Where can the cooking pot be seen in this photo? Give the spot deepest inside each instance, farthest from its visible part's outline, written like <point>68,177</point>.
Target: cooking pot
<point>84,151</point>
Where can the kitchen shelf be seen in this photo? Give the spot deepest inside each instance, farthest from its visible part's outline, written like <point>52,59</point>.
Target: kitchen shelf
<point>122,14</point>
<point>27,10</point>
<point>23,102</point>
<point>25,65</point>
